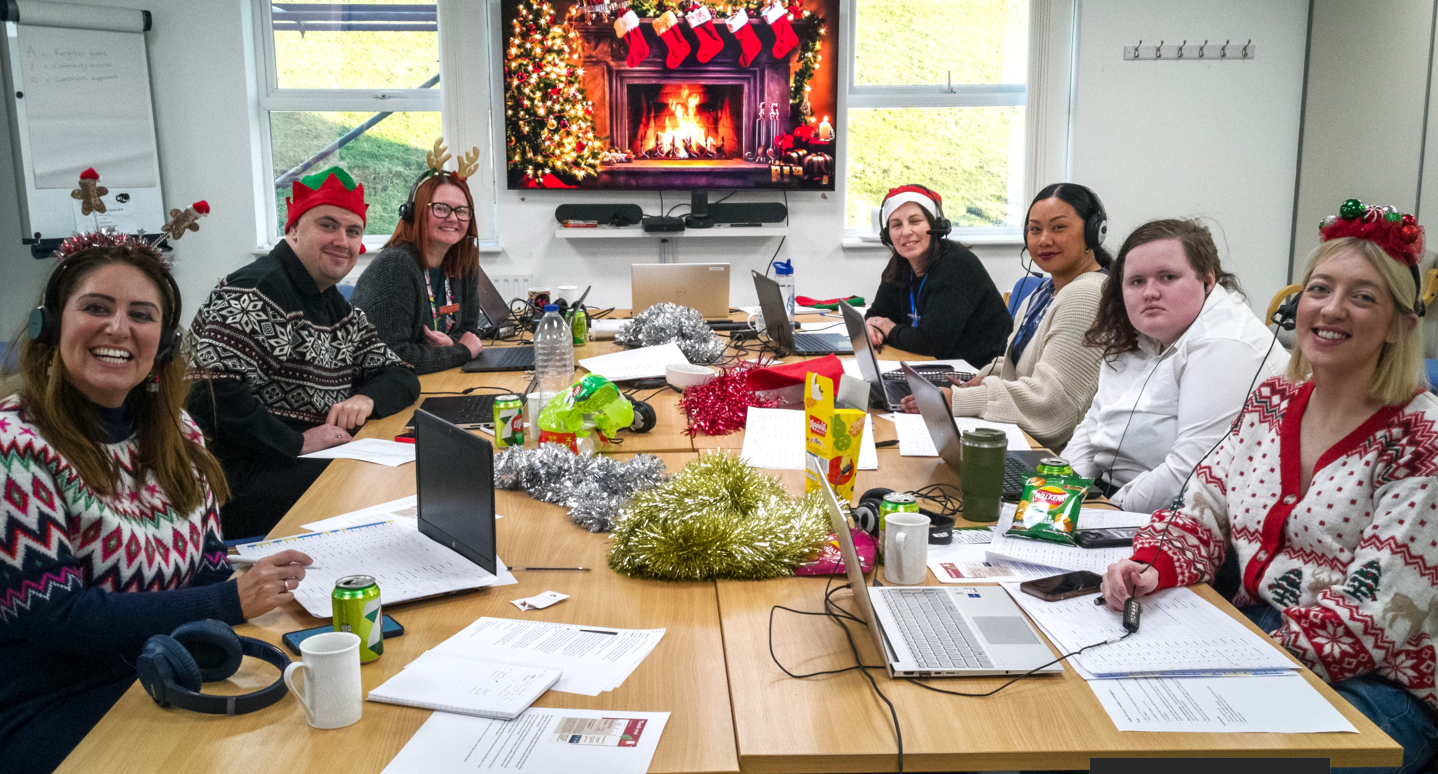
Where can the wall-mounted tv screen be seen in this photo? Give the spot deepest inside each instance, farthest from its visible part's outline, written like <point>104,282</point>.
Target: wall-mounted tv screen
<point>660,95</point>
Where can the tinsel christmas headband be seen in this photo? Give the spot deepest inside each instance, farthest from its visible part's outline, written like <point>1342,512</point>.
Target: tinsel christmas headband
<point>897,197</point>
<point>1398,234</point>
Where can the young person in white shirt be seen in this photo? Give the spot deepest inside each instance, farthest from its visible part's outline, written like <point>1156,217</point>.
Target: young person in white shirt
<point>1181,348</point>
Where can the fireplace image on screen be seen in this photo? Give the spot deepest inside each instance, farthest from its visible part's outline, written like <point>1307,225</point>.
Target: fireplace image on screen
<point>609,95</point>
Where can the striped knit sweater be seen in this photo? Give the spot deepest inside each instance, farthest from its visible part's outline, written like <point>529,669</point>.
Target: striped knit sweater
<point>1352,563</point>
<point>85,579</point>
<point>1049,391</point>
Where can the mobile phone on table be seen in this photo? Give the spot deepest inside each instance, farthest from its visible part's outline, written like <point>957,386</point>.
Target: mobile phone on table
<point>1066,586</point>
<point>292,640</point>
<point>1105,537</point>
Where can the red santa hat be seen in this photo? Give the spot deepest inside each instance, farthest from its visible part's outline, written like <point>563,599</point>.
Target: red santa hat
<point>897,197</point>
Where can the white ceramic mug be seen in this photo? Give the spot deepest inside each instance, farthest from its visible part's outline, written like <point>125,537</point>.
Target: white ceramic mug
<point>906,548</point>
<point>332,696</point>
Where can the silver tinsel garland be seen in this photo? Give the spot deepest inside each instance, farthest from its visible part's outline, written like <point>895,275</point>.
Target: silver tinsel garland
<point>683,325</point>
<point>592,488</point>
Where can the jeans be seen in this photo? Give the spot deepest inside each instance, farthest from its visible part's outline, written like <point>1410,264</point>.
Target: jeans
<point>1389,705</point>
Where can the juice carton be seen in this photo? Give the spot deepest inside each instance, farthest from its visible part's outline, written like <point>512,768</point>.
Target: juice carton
<point>832,437</point>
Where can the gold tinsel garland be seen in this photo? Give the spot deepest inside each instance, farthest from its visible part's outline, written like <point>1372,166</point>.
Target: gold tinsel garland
<point>719,518</point>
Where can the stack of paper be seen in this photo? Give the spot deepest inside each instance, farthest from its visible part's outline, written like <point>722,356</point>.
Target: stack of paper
<point>406,564</point>
<point>774,438</point>
<point>593,659</point>
<point>391,453</point>
<point>642,363</point>
<point>540,741</point>
<point>915,440</point>
<point>469,686</point>
<point>966,560</point>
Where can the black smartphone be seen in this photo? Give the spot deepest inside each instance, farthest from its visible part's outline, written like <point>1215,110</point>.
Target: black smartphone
<point>392,629</point>
<point>1056,587</point>
<point>1105,537</point>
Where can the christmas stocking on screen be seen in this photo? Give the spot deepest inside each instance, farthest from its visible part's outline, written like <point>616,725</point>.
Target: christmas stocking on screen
<point>627,28</point>
<point>702,22</point>
<point>667,28</point>
<point>749,47</point>
<point>784,38</point>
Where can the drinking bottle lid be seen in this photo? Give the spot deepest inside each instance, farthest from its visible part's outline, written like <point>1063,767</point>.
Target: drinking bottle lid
<point>551,307</point>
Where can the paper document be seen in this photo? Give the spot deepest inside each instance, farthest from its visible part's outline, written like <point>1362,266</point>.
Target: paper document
<point>406,564</point>
<point>403,511</point>
<point>968,562</point>
<point>1103,518</point>
<point>774,438</point>
<point>1277,704</point>
<point>1180,633</point>
<point>450,683</point>
<point>391,453</point>
<point>594,659</point>
<point>1095,560</point>
<point>642,363</point>
<point>542,740</point>
<point>915,441</point>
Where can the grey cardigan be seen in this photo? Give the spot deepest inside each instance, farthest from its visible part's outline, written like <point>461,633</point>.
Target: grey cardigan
<point>392,293</point>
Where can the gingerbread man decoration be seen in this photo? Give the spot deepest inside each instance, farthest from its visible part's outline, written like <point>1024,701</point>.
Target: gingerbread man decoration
<point>89,192</point>
<point>189,220</point>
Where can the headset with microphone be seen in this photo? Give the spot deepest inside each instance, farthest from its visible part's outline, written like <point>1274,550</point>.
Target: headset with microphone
<point>1095,226</point>
<point>941,226</point>
<point>173,667</point>
<point>44,322</point>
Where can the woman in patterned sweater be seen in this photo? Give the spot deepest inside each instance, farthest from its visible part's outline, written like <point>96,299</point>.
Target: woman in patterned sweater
<point>1324,490</point>
<point>107,490</point>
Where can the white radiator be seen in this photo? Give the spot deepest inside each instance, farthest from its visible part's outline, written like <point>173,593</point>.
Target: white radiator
<point>512,286</point>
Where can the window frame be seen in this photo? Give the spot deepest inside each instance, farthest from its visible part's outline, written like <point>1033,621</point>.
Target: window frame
<point>1045,97</point>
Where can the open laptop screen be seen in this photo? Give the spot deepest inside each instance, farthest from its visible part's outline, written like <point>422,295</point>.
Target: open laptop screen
<point>937,418</point>
<point>495,308</point>
<point>454,477</point>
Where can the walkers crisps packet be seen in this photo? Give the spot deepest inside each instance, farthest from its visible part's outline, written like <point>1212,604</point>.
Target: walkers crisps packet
<point>1049,508</point>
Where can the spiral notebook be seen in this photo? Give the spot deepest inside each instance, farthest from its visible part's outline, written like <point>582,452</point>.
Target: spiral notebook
<point>466,686</point>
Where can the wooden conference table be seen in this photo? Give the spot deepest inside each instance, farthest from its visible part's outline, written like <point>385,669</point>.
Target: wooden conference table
<point>731,708</point>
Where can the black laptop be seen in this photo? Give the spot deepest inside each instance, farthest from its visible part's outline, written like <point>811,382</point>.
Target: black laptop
<point>781,331</point>
<point>887,389</point>
<point>1018,465</point>
<point>454,478</point>
<point>496,312</point>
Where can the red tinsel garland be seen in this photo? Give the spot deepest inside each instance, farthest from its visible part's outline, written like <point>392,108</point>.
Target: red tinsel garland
<point>721,405</point>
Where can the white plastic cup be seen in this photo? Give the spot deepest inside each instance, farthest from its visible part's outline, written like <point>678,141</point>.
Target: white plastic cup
<point>906,548</point>
<point>332,695</point>
<point>569,293</point>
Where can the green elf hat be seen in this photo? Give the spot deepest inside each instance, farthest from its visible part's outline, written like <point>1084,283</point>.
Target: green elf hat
<point>330,186</point>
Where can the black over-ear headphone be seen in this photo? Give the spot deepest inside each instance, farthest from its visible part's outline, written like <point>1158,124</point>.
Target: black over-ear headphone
<point>1286,315</point>
<point>172,668</point>
<point>942,226</point>
<point>866,517</point>
<point>644,417</point>
<point>1095,226</point>
<point>44,325</point>
<point>406,210</point>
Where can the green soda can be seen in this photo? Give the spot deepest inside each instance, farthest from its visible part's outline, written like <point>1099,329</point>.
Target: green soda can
<point>356,609</point>
<point>579,326</point>
<point>1054,466</point>
<point>508,421</point>
<point>894,502</point>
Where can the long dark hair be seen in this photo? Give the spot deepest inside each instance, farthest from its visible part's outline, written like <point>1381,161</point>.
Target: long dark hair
<point>462,258</point>
<point>1084,202</point>
<point>71,425</point>
<point>898,271</point>
<point>1111,328</point>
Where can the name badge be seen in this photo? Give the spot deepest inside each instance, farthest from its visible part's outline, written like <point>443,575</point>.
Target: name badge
<point>451,309</point>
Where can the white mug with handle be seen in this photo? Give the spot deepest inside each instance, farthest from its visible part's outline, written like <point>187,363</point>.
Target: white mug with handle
<point>906,548</point>
<point>332,695</point>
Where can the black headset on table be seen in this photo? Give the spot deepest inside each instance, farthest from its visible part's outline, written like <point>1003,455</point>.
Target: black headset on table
<point>172,668</point>
<point>44,325</point>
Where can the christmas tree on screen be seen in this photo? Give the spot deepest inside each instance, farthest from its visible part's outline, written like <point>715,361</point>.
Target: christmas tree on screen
<point>548,121</point>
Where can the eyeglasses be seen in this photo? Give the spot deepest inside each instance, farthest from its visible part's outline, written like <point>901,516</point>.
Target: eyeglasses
<point>441,210</point>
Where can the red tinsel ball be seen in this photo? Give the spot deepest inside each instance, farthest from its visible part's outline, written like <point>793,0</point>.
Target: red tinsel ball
<point>721,405</point>
<point>579,146</point>
<point>588,110</point>
<point>535,69</point>
<point>563,123</point>
<point>1409,233</point>
<point>554,92</point>
<point>530,29</point>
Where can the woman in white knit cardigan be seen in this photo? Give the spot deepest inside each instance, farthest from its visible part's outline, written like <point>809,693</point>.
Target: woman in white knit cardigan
<point>1047,377</point>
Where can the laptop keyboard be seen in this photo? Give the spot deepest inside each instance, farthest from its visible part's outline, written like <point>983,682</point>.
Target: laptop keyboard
<point>1015,474</point>
<point>507,356</point>
<point>816,342</point>
<point>934,630</point>
<point>938,378</point>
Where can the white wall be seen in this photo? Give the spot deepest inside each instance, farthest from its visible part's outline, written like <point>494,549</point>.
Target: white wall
<point>1153,139</point>
<point>1180,139</point>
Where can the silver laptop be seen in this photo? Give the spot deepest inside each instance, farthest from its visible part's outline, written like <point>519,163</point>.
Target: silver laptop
<point>781,331</point>
<point>703,286</point>
<point>941,631</point>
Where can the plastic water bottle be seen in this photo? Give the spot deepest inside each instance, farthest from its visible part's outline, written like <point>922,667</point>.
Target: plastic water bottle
<point>553,352</point>
<point>784,275</point>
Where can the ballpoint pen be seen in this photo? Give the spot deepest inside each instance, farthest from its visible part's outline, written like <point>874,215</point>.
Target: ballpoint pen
<point>245,561</point>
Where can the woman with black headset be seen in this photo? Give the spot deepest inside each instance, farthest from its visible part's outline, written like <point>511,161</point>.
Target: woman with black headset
<point>109,491</point>
<point>1044,380</point>
<point>422,290</point>
<point>935,298</point>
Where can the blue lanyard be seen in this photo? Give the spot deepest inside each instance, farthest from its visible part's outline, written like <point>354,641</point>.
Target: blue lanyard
<point>913,309</point>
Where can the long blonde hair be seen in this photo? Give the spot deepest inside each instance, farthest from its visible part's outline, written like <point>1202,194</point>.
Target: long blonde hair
<point>70,424</point>
<point>1400,372</point>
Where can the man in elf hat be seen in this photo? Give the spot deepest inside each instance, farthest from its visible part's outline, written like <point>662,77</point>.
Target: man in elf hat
<point>286,365</point>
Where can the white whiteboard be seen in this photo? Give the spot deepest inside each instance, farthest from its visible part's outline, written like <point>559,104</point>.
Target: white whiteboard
<point>78,82</point>
<point>87,103</point>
